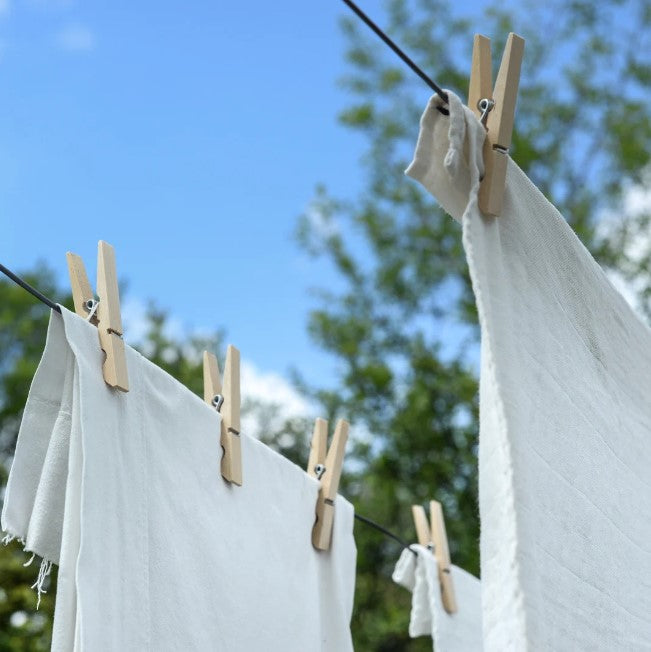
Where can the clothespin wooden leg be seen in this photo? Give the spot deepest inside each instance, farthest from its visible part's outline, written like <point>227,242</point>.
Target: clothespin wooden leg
<point>227,402</point>
<point>442,552</point>
<point>325,507</point>
<point>318,445</point>
<point>82,293</point>
<point>212,384</point>
<point>110,320</point>
<point>232,460</point>
<point>481,88</point>
<point>481,76</point>
<point>423,532</point>
<point>436,537</point>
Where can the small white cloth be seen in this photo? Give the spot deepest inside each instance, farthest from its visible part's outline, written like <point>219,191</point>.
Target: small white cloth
<point>457,632</point>
<point>156,550</point>
<point>565,413</point>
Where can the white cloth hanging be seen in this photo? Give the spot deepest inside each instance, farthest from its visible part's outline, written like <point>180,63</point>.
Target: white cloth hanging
<point>565,414</point>
<point>457,632</point>
<point>156,550</point>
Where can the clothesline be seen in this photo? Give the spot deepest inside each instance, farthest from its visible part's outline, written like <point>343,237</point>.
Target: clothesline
<point>433,85</point>
<point>26,286</point>
<point>384,531</point>
<point>48,302</point>
<point>405,58</point>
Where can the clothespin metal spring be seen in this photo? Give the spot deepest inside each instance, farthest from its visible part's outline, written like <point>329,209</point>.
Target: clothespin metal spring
<point>89,304</point>
<point>485,105</point>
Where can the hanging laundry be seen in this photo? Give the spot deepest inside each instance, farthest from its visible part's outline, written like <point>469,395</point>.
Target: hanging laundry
<point>155,550</point>
<point>565,414</point>
<point>457,632</point>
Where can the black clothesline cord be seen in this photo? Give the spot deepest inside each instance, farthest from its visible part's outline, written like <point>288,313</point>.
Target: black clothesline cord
<point>384,531</point>
<point>26,286</point>
<point>433,85</point>
<point>48,302</point>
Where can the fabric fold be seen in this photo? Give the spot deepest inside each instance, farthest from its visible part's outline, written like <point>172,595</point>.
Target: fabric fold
<point>458,632</point>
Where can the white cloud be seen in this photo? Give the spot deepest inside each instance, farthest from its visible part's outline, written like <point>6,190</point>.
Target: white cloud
<point>259,386</point>
<point>637,199</point>
<point>75,38</point>
<point>269,387</point>
<point>321,221</point>
<point>136,325</point>
<point>134,320</point>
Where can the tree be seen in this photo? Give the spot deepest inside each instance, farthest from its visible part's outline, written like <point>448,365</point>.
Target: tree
<point>23,324</point>
<point>405,328</point>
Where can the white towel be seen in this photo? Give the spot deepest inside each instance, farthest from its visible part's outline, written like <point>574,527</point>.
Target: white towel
<point>156,550</point>
<point>458,632</point>
<point>565,413</point>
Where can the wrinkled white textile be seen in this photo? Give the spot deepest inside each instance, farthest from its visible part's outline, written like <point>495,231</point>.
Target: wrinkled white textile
<point>156,550</point>
<point>457,632</point>
<point>565,413</point>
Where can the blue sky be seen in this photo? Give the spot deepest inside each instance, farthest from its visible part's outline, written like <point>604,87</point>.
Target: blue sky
<point>190,137</point>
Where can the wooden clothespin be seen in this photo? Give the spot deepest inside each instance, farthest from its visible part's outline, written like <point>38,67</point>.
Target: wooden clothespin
<point>107,317</point>
<point>496,109</point>
<point>327,469</point>
<point>226,401</point>
<point>436,537</point>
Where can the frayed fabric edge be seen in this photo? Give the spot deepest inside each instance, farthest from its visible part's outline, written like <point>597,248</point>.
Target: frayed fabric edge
<point>8,538</point>
<point>44,571</point>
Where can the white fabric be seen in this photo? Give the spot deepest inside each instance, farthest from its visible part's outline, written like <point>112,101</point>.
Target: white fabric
<point>458,632</point>
<point>565,413</point>
<point>156,550</point>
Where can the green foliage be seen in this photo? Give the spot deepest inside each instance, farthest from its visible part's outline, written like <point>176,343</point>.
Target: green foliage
<point>23,325</point>
<point>404,330</point>
<point>21,626</point>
